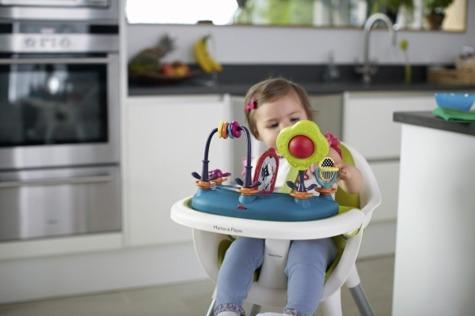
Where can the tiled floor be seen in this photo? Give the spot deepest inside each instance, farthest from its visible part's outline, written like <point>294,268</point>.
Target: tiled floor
<point>192,299</point>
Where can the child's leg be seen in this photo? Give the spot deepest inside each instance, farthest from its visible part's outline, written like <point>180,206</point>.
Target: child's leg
<point>235,277</point>
<point>306,266</point>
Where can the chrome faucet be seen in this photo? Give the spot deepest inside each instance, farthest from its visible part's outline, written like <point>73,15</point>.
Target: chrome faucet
<point>367,69</point>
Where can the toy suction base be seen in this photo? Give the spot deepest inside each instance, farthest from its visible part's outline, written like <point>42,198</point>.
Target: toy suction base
<point>226,201</point>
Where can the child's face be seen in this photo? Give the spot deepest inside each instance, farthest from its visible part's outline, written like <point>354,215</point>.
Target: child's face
<point>272,117</point>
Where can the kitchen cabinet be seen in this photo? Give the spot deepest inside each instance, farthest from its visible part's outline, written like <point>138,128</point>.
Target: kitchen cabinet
<point>386,173</point>
<point>164,142</point>
<point>327,111</point>
<point>435,254</point>
<point>368,125</point>
<point>367,120</point>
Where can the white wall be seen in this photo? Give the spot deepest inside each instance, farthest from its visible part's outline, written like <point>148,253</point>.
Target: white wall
<point>270,45</point>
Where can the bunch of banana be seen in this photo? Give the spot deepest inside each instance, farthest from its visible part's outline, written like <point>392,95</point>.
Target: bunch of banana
<point>203,56</point>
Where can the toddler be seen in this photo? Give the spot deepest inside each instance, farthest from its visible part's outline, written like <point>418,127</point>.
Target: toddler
<point>270,106</point>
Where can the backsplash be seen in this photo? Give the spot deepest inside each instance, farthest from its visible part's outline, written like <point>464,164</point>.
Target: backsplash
<point>274,45</point>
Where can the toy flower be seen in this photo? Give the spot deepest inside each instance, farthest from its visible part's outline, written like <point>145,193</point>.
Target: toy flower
<point>302,144</point>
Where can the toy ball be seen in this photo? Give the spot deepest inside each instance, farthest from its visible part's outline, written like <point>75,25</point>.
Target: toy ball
<point>301,147</point>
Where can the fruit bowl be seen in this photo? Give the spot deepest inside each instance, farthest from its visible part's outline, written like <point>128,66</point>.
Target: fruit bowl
<point>455,101</point>
<point>166,73</point>
<point>152,78</point>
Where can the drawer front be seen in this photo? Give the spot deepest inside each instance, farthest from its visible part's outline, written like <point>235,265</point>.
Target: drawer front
<point>368,120</point>
<point>59,202</point>
<point>387,175</point>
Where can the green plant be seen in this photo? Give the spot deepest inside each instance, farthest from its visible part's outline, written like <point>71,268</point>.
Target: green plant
<point>395,4</point>
<point>404,46</point>
<point>391,5</point>
<point>149,59</point>
<point>437,6</point>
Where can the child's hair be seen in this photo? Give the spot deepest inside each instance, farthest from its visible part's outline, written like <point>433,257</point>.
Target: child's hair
<point>270,90</point>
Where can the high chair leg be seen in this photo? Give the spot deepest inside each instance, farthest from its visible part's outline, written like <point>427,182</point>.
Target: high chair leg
<point>211,306</point>
<point>210,309</point>
<point>332,305</point>
<point>354,285</point>
<point>255,309</point>
<point>361,301</point>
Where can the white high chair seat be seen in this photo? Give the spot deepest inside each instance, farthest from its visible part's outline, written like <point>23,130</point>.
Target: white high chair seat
<point>270,290</point>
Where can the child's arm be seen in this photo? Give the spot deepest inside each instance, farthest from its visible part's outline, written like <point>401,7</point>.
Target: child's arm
<point>350,176</point>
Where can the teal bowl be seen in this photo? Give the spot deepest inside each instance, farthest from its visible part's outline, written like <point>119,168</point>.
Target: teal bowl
<point>455,101</point>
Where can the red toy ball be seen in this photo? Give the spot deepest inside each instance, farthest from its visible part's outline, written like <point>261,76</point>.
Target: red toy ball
<point>301,147</point>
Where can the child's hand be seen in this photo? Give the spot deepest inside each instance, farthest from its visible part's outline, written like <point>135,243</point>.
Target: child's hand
<point>312,168</point>
<point>351,180</point>
<point>344,172</point>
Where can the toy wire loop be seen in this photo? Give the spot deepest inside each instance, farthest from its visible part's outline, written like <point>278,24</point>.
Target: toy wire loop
<point>224,130</point>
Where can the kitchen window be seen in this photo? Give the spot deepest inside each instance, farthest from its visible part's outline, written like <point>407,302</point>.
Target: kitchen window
<point>181,11</point>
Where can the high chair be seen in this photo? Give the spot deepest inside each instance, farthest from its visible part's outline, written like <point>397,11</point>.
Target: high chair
<point>212,234</point>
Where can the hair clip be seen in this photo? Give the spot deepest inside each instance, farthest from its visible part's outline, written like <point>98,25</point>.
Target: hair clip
<point>252,105</point>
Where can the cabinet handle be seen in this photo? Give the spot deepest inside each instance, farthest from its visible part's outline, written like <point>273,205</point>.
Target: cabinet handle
<point>28,61</point>
<point>56,181</point>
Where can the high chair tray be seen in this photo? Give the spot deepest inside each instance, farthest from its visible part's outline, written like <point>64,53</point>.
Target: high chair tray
<point>226,201</point>
<point>182,213</point>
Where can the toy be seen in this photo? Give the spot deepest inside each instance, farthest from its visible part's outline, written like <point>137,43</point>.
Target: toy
<point>302,145</point>
<point>326,175</point>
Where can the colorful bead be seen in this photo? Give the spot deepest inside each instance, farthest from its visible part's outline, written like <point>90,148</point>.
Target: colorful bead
<point>235,129</point>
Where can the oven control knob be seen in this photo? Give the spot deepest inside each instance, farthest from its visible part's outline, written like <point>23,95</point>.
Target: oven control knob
<point>30,42</point>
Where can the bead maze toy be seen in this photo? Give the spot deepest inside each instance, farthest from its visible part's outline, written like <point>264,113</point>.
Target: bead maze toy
<point>302,145</point>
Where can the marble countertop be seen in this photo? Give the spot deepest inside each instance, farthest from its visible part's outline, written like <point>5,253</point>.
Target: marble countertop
<point>427,119</point>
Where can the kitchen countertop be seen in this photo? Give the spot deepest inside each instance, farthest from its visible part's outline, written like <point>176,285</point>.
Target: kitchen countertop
<point>427,119</point>
<point>311,88</point>
<point>237,79</point>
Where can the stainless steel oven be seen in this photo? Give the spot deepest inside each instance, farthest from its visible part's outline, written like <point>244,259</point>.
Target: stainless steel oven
<point>59,118</point>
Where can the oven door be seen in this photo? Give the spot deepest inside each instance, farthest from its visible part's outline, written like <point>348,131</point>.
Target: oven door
<point>58,111</point>
<point>59,202</point>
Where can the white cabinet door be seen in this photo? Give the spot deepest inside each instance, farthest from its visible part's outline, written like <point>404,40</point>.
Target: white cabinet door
<point>327,112</point>
<point>165,141</point>
<point>387,175</point>
<point>368,120</point>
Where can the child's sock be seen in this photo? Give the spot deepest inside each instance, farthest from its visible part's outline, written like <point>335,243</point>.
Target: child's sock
<point>287,312</point>
<point>229,309</point>
<point>228,313</point>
